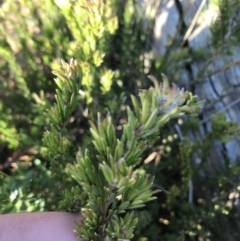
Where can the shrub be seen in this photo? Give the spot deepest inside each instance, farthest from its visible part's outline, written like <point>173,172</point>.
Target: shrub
<point>112,46</point>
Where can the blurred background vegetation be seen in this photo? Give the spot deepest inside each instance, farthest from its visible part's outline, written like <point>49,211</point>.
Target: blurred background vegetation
<point>112,41</point>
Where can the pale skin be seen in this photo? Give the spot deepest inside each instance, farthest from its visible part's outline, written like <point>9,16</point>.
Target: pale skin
<point>46,226</point>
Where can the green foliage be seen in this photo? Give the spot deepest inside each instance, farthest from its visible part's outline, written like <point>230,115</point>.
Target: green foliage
<point>223,130</point>
<point>28,189</point>
<point>26,58</point>
<point>110,181</point>
<point>110,164</point>
<point>215,190</point>
<point>226,28</point>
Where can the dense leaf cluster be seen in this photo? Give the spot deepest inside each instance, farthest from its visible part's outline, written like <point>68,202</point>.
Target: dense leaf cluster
<point>111,182</point>
<point>104,164</point>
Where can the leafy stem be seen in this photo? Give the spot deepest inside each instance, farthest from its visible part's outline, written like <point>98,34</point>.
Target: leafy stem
<point>110,180</point>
